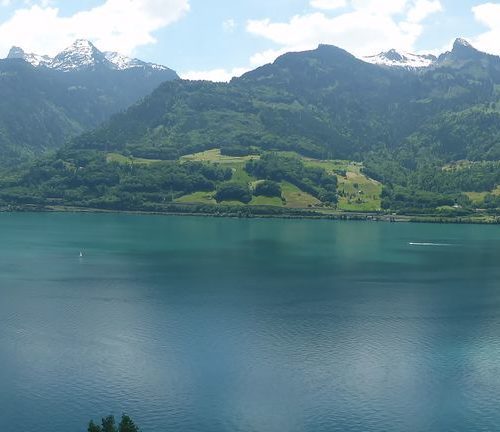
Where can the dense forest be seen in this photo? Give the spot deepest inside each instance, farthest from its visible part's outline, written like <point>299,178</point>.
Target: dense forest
<point>42,109</point>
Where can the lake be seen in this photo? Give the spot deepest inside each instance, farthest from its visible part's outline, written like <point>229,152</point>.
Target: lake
<point>226,325</point>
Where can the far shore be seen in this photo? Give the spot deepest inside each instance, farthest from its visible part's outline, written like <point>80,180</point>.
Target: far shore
<point>253,213</point>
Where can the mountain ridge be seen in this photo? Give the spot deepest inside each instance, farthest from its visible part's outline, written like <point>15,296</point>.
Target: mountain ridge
<point>83,55</point>
<point>327,81</point>
<point>46,101</point>
<point>394,58</point>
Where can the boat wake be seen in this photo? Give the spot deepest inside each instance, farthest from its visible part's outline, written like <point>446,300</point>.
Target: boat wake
<point>430,244</point>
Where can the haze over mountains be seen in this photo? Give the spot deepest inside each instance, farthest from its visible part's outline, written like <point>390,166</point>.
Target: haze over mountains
<point>407,124</point>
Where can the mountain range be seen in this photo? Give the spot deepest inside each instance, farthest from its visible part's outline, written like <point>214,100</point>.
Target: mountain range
<point>82,55</point>
<point>318,102</point>
<point>429,135</point>
<point>46,101</point>
<point>419,62</point>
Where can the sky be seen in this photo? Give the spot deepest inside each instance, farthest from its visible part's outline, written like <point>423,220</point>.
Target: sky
<point>218,39</point>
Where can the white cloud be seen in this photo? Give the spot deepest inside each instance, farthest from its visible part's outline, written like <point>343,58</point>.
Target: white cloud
<point>216,75</point>
<point>119,25</point>
<point>27,3</point>
<point>368,27</point>
<point>229,25</point>
<point>378,7</point>
<point>264,57</point>
<point>488,14</point>
<point>328,4</point>
<point>422,9</point>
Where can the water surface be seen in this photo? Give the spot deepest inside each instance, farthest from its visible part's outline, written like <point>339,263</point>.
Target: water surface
<point>215,325</point>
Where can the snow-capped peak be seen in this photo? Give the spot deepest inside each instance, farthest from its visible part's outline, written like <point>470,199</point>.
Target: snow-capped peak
<point>83,55</point>
<point>34,59</point>
<point>401,59</point>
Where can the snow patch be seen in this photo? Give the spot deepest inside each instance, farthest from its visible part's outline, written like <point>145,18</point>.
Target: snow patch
<point>33,59</point>
<point>122,62</point>
<point>401,59</point>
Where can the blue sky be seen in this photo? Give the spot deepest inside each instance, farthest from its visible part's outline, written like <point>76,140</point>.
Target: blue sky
<point>216,39</point>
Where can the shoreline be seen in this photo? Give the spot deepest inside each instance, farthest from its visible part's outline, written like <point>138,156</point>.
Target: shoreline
<point>246,213</point>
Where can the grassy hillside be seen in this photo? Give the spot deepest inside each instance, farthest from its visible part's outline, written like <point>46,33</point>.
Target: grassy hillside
<point>356,191</point>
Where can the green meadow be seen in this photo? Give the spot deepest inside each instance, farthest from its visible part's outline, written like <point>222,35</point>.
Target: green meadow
<point>357,192</point>
<point>478,197</point>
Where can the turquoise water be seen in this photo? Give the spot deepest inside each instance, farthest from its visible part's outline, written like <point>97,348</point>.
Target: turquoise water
<point>198,324</point>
